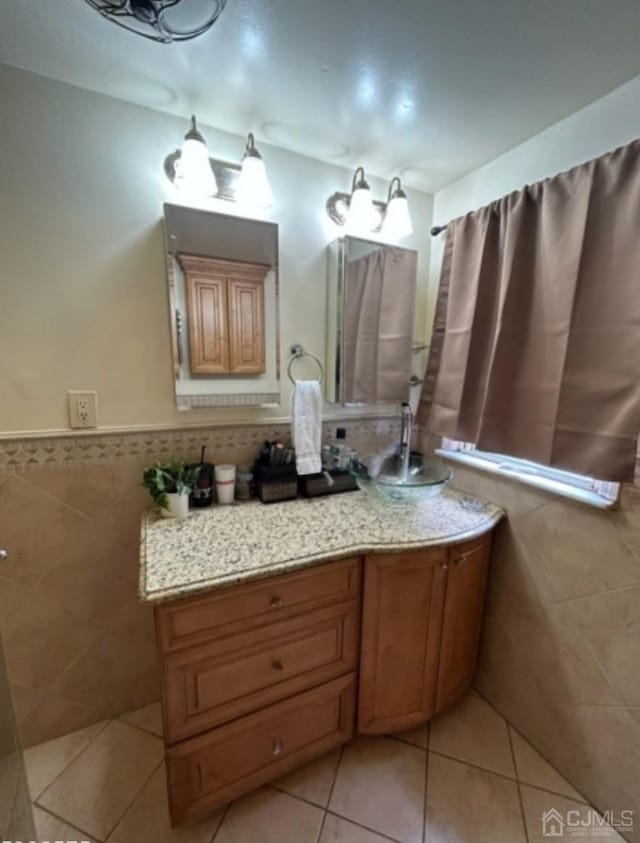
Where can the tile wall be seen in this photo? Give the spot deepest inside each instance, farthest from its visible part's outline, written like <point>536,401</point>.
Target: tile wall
<point>560,653</point>
<point>79,645</point>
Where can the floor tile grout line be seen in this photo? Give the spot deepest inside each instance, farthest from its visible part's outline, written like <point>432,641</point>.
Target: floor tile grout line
<point>426,792</point>
<point>331,789</point>
<point>135,798</point>
<point>404,741</point>
<point>471,764</point>
<point>92,837</point>
<point>225,811</point>
<point>35,799</point>
<point>524,737</point>
<point>365,827</point>
<point>520,801</point>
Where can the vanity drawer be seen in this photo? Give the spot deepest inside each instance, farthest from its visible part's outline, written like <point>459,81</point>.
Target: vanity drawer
<point>195,620</point>
<point>217,682</point>
<point>212,769</point>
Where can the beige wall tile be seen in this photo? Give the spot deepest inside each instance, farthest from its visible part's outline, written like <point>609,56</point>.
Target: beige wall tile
<point>511,495</point>
<point>467,804</point>
<point>380,784</point>
<point>88,488</point>
<point>148,718</point>
<point>627,517</point>
<point>611,624</point>
<point>578,548</point>
<point>54,716</point>
<point>515,581</point>
<point>270,816</point>
<point>312,781</point>
<point>96,789</point>
<point>36,529</point>
<point>473,731</point>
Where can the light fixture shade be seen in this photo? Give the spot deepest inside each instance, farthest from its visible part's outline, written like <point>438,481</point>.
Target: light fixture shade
<point>397,218</point>
<point>253,189</point>
<point>360,216</point>
<point>193,173</point>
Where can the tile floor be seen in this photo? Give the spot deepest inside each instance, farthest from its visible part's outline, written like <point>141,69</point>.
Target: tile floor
<point>469,778</point>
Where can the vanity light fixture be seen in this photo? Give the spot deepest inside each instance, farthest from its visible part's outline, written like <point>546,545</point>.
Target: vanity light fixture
<point>360,214</point>
<point>194,173</point>
<point>396,223</point>
<point>253,188</point>
<point>160,20</point>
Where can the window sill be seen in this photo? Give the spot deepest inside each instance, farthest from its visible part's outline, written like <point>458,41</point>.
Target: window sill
<point>554,487</point>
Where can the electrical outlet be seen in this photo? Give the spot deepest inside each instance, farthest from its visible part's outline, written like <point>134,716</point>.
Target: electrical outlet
<point>83,409</point>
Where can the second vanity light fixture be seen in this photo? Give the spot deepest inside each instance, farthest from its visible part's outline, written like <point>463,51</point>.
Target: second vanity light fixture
<point>198,176</point>
<point>361,214</point>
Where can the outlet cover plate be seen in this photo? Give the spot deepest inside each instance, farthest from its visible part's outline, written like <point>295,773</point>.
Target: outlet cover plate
<point>83,408</point>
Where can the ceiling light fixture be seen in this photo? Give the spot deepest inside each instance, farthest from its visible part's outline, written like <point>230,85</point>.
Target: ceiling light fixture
<point>161,20</point>
<point>253,186</point>
<point>197,175</point>
<point>360,214</point>
<point>396,223</point>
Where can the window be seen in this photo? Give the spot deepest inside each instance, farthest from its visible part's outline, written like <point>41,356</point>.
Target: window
<point>588,490</point>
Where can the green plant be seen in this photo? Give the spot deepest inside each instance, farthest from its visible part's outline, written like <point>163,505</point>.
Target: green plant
<point>162,479</point>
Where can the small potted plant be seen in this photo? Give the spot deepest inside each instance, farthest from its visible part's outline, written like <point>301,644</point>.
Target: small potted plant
<point>170,485</point>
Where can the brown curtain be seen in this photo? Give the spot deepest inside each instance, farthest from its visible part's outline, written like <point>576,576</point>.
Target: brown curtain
<point>379,297</point>
<point>536,343</point>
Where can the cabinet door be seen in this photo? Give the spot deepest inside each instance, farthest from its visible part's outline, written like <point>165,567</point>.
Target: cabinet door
<point>401,627</point>
<point>246,326</point>
<point>464,602</point>
<point>207,310</point>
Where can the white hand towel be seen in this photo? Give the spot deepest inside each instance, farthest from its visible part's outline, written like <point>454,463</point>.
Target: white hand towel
<point>306,426</point>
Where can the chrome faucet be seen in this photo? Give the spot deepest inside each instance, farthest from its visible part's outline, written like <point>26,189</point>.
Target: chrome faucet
<point>406,429</point>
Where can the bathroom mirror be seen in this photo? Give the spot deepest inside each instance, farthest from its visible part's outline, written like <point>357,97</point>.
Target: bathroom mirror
<point>370,318</point>
<point>222,276</point>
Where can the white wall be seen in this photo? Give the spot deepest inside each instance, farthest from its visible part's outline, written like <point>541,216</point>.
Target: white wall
<point>603,125</point>
<point>83,301</point>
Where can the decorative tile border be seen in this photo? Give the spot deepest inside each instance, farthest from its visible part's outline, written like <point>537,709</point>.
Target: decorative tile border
<point>239,443</point>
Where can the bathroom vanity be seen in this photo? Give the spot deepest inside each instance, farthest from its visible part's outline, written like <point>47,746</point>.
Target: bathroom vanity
<point>284,630</point>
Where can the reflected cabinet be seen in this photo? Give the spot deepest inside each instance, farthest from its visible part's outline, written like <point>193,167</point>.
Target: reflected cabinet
<point>222,274</point>
<point>225,310</point>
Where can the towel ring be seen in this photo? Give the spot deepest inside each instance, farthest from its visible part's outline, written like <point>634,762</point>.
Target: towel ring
<point>298,351</point>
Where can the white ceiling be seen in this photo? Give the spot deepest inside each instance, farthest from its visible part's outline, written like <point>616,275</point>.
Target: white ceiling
<point>428,90</point>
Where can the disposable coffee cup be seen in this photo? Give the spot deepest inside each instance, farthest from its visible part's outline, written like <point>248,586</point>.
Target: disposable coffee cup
<point>225,476</point>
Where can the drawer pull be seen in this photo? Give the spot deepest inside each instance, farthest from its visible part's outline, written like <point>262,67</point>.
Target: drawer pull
<point>460,561</point>
<point>276,601</point>
<point>276,664</point>
<point>277,747</point>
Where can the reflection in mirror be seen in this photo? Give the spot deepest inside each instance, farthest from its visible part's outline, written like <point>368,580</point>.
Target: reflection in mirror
<point>223,304</point>
<point>370,317</point>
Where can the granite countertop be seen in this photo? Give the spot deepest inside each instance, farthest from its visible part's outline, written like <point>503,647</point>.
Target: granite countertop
<point>224,545</point>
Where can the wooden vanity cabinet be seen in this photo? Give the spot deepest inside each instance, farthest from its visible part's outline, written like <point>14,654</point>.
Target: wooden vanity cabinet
<point>260,677</point>
<point>225,314</point>
<point>400,646</point>
<point>421,619</point>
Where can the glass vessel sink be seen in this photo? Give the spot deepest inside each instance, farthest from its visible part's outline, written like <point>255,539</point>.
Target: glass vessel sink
<point>387,477</point>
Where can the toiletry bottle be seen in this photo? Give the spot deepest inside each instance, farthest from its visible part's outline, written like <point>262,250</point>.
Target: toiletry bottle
<point>340,451</point>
